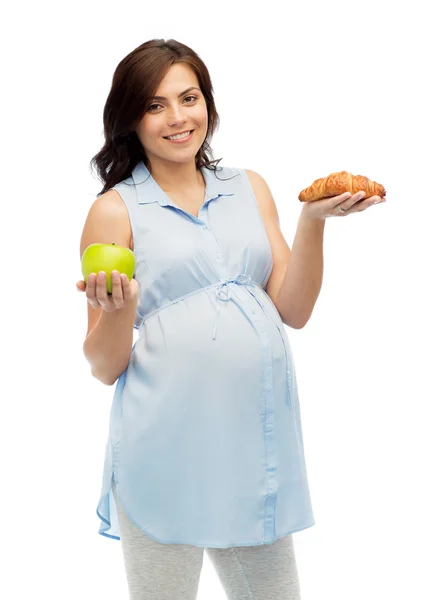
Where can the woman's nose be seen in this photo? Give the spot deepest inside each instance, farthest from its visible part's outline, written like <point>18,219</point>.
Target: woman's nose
<point>176,115</point>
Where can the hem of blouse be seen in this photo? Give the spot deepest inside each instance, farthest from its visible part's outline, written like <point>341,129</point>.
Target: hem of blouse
<point>199,544</point>
<point>213,545</point>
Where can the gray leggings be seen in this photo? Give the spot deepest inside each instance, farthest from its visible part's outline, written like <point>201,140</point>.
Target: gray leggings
<point>159,571</point>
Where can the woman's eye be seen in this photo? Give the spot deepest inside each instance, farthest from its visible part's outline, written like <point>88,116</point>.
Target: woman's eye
<point>151,107</point>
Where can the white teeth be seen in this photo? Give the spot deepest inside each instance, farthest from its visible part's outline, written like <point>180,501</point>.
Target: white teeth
<point>179,137</point>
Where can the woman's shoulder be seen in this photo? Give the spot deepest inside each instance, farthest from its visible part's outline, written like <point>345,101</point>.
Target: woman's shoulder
<point>109,208</point>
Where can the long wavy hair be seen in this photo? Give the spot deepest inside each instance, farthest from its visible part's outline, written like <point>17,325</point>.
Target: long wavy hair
<point>134,84</point>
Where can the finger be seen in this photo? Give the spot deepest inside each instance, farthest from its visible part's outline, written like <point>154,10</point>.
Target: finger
<point>90,290</point>
<point>367,202</point>
<point>335,200</point>
<point>357,203</point>
<point>358,196</point>
<point>117,290</point>
<point>351,202</point>
<point>102,292</point>
<point>127,288</point>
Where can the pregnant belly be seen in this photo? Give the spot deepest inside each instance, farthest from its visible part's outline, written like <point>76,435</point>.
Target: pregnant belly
<point>182,383</point>
<point>179,339</point>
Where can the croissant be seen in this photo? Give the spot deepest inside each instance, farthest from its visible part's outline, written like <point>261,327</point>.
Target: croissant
<point>338,183</point>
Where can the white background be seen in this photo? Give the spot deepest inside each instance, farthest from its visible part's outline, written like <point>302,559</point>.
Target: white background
<point>321,87</point>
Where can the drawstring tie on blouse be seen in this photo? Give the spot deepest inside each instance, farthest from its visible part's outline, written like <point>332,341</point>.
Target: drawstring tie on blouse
<point>242,279</point>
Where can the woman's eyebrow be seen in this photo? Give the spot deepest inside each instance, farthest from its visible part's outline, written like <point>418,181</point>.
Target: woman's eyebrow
<point>179,95</point>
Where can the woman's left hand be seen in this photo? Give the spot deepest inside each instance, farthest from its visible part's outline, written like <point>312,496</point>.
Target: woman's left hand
<point>330,207</point>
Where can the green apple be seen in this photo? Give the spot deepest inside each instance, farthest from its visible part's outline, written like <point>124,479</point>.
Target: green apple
<point>107,258</point>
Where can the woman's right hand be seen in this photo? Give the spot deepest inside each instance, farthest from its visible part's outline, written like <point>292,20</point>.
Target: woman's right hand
<point>123,290</point>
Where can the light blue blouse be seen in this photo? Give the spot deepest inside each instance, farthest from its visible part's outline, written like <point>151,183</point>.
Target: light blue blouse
<point>205,441</point>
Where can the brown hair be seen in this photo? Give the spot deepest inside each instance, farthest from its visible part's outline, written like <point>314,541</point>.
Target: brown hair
<point>134,83</point>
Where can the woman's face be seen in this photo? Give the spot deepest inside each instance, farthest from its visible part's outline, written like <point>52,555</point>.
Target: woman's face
<point>177,113</point>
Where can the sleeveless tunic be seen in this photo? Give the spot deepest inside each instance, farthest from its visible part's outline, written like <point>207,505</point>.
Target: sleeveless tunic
<point>205,442</point>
